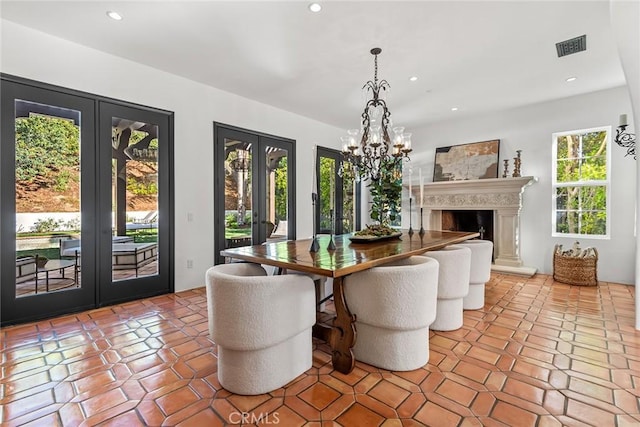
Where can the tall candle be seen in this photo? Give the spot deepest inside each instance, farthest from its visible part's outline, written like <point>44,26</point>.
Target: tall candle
<point>623,119</point>
<point>421,189</point>
<point>332,190</point>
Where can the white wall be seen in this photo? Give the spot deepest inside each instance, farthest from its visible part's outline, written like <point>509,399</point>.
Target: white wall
<point>625,20</point>
<point>39,56</point>
<point>529,129</point>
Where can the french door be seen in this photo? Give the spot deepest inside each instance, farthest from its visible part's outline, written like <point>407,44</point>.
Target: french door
<point>134,251</point>
<point>47,141</point>
<point>339,194</point>
<point>254,188</point>
<point>65,240</point>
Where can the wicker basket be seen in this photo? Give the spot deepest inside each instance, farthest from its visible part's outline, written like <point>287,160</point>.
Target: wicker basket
<point>582,271</point>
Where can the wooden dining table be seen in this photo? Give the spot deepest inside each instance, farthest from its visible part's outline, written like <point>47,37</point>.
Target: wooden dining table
<point>348,257</point>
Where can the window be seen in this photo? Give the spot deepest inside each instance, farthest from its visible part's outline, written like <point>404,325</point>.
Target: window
<point>581,183</point>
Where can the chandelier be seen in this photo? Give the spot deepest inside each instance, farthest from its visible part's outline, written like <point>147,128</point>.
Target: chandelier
<point>377,152</point>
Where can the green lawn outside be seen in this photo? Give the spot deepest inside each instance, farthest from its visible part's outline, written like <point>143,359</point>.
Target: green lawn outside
<point>149,235</point>
<point>49,253</point>
<point>231,233</point>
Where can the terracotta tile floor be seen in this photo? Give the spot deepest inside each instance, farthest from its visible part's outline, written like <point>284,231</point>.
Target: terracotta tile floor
<point>539,354</point>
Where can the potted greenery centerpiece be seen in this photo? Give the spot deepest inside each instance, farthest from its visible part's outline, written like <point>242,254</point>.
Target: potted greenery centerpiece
<point>385,191</point>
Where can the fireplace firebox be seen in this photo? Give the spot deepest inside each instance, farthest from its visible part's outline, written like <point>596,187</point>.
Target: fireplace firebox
<point>469,220</point>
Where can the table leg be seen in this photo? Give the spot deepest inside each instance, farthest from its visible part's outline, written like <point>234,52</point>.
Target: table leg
<point>343,333</point>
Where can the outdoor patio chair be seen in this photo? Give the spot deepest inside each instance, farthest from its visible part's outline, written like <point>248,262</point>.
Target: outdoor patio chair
<point>150,220</point>
<point>26,268</point>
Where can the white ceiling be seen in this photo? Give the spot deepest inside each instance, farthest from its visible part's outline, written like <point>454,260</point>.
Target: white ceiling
<point>475,55</point>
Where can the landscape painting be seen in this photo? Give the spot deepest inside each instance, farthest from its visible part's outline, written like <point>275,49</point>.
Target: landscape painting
<point>478,160</point>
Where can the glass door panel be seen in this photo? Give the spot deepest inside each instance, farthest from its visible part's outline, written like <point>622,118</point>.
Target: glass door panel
<point>134,200</point>
<point>327,193</point>
<point>48,212</point>
<point>238,193</point>
<point>277,193</point>
<point>350,193</point>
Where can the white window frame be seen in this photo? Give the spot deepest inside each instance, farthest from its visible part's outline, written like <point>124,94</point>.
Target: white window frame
<point>555,184</point>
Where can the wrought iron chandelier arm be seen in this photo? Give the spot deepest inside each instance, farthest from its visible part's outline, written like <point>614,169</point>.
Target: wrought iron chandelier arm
<point>626,140</point>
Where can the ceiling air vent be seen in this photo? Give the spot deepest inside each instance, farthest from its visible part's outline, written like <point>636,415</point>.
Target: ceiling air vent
<point>574,45</point>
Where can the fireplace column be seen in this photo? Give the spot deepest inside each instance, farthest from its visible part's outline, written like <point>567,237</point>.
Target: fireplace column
<point>508,236</point>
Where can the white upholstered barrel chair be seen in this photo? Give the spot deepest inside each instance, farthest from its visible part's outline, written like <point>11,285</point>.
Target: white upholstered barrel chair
<point>394,305</point>
<point>453,285</point>
<point>480,272</point>
<point>261,324</point>
<point>320,284</point>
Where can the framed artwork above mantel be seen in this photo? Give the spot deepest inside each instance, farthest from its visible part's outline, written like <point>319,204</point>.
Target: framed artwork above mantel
<point>477,160</point>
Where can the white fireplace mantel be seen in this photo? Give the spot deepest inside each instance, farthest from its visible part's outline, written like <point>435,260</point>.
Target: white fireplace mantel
<point>502,195</point>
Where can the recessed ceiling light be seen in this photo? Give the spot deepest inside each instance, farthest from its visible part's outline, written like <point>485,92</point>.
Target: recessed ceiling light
<point>571,79</point>
<point>315,7</point>
<point>413,78</point>
<point>454,108</point>
<point>114,15</point>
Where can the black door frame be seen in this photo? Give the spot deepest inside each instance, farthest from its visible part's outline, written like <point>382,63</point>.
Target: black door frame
<point>258,140</point>
<point>336,155</point>
<point>26,308</point>
<point>96,222</point>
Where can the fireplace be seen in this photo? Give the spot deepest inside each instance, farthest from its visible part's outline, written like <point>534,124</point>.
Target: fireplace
<point>469,220</point>
<point>501,196</point>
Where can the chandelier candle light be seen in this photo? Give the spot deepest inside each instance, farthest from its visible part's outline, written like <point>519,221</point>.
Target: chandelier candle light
<point>370,152</point>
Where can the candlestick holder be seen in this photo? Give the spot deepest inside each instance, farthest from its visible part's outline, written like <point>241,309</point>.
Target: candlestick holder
<point>421,227</point>
<point>516,164</point>
<point>505,173</point>
<point>315,246</point>
<point>332,246</point>
<point>410,227</point>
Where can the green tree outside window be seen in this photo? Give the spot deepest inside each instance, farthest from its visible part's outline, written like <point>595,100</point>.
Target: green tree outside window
<point>581,182</point>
